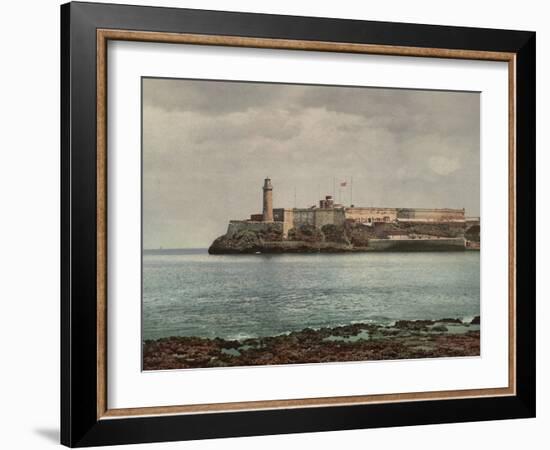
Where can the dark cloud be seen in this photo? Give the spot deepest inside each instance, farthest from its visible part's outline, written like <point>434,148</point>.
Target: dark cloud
<point>207,145</point>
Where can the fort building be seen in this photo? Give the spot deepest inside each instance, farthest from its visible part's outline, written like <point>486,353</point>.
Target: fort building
<point>327,212</point>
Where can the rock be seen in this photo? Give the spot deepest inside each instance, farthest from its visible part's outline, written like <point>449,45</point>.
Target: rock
<point>413,324</point>
<point>449,320</point>
<point>242,242</point>
<point>439,328</point>
<point>306,233</point>
<point>335,233</point>
<point>472,233</point>
<point>475,320</point>
<point>351,236</point>
<point>249,242</point>
<point>359,234</point>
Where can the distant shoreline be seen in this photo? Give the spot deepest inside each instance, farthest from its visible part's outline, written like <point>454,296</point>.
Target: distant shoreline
<point>174,251</point>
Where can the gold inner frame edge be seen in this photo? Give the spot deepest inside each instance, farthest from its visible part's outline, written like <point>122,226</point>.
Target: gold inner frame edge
<point>103,36</point>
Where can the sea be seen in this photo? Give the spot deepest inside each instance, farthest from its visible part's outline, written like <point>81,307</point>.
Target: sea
<point>192,293</point>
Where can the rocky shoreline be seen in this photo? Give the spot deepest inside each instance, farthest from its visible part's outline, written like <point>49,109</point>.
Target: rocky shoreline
<point>405,339</point>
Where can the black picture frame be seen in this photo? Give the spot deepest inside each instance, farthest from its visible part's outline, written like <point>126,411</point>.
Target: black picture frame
<point>80,425</point>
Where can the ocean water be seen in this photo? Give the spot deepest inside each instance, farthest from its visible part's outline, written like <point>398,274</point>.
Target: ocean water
<point>191,293</point>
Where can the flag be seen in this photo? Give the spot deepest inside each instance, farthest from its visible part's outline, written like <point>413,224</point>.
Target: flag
<point>343,183</point>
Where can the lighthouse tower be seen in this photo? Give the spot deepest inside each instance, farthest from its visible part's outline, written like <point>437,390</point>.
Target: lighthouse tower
<point>268,201</point>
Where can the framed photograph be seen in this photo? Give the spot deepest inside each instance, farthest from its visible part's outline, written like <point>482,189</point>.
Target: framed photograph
<point>276,224</point>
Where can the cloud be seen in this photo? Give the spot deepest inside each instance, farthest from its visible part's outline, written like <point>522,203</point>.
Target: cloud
<point>207,145</point>
<point>443,165</point>
<point>211,97</point>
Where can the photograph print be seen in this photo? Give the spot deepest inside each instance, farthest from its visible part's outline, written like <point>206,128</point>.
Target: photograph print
<point>300,224</point>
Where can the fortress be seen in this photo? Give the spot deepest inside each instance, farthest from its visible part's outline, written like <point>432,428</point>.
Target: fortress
<point>330,226</point>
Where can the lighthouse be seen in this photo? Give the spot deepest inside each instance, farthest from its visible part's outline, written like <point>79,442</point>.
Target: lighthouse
<point>268,201</point>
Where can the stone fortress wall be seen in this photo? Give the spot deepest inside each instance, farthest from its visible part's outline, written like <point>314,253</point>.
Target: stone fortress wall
<point>371,214</point>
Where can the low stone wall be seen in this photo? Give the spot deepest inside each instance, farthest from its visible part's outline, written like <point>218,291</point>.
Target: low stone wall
<point>416,245</point>
<point>430,214</point>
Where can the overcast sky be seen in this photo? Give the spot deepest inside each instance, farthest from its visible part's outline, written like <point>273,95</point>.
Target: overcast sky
<point>208,145</point>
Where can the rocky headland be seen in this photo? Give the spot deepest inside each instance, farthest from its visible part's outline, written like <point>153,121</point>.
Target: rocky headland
<point>405,339</point>
<point>349,237</point>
